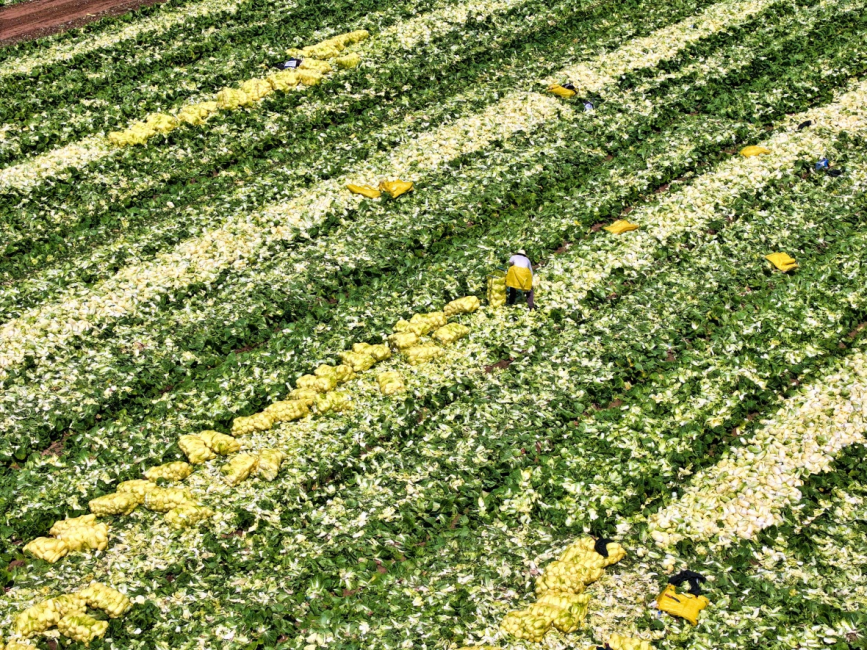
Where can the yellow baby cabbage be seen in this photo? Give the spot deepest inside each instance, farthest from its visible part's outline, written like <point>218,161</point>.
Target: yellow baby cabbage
<point>93,537</point>
<point>364,190</point>
<point>391,383</point>
<point>230,99</point>
<point>119,503</point>
<point>621,226</point>
<point>165,499</point>
<point>65,525</point>
<point>336,401</point>
<point>239,468</point>
<point>618,642</point>
<point>450,333</point>
<point>525,625</point>
<point>396,188</point>
<point>138,487</point>
<point>753,150</point>
<point>81,627</point>
<point>38,618</point>
<point>497,290</point>
<point>568,610</point>
<point>288,410</point>
<point>108,599</point>
<point>138,133</point>
<point>568,576</point>
<point>306,396</point>
<point>244,425</point>
<point>341,373</point>
<point>256,89</point>
<point>161,123</point>
<point>349,61</point>
<point>403,340</point>
<point>187,515</point>
<point>175,471</point>
<point>583,551</point>
<point>380,351</point>
<point>196,450</point>
<point>422,354</point>
<point>47,548</point>
<point>14,645</point>
<point>560,91</point>
<point>195,114</point>
<point>319,384</point>
<point>283,80</point>
<point>313,65</point>
<point>309,77</point>
<point>465,305</point>
<point>270,461</point>
<point>219,443</point>
<point>358,361</point>
<point>422,324</point>
<point>782,261</point>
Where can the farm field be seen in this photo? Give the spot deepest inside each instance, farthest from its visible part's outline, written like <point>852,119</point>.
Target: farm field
<point>285,413</point>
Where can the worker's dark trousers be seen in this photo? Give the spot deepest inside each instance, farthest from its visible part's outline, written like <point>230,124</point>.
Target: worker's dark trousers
<point>513,295</point>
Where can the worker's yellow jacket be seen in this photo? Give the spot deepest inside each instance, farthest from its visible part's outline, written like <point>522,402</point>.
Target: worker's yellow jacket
<point>519,278</point>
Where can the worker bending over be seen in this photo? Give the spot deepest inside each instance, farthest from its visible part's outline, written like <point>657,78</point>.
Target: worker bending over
<point>520,278</point>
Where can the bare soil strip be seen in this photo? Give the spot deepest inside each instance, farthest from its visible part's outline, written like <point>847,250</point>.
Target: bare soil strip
<point>38,18</point>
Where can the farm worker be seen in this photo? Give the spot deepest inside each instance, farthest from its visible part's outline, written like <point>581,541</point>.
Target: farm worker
<point>520,278</point>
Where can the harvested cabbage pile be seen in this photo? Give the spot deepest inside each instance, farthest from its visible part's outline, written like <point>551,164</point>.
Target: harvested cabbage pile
<point>379,352</point>
<point>69,614</point>
<point>239,468</point>
<point>618,642</point>
<point>175,471</point>
<point>243,426</point>
<point>195,449</point>
<point>187,515</point>
<point>119,503</point>
<point>422,354</point>
<point>390,383</point>
<point>139,487</point>
<point>497,290</point>
<point>82,627</point>
<point>465,305</point>
<point>358,361</point>
<point>336,401</point>
<point>321,384</point>
<point>403,340</point>
<point>269,464</point>
<point>422,324</point>
<point>451,333</point>
<point>289,410</point>
<point>561,602</point>
<point>165,499</point>
<point>47,548</point>
<point>314,67</point>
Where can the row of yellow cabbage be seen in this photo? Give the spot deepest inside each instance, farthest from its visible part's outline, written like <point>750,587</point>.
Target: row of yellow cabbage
<point>69,614</point>
<point>561,602</point>
<point>317,390</point>
<point>310,72</point>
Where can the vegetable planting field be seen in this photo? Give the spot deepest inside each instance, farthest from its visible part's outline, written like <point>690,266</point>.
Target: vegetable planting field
<point>243,405</point>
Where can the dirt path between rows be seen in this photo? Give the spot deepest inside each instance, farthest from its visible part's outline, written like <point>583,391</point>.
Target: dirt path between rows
<point>43,17</point>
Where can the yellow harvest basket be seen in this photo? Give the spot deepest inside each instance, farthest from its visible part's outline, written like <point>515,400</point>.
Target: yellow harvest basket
<point>782,261</point>
<point>621,226</point>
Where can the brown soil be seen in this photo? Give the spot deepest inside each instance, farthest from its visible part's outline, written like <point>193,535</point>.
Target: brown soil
<point>37,18</point>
